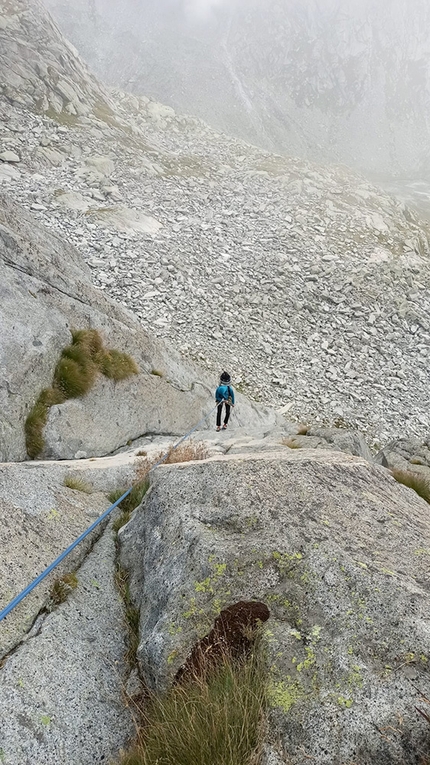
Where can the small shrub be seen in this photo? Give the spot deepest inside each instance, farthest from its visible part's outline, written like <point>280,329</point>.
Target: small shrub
<point>117,365</point>
<point>217,720</point>
<point>78,484</point>
<point>414,481</point>
<point>61,589</point>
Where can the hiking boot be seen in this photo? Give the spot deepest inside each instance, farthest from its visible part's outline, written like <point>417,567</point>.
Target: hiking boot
<point>218,427</point>
<point>224,427</point>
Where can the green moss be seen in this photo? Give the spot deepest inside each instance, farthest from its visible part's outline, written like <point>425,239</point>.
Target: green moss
<point>117,366</point>
<point>74,375</point>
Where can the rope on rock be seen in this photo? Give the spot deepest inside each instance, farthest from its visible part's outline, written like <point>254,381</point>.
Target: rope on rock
<point>99,520</point>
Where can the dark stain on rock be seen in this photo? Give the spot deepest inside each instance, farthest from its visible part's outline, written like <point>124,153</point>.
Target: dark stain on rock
<point>232,636</point>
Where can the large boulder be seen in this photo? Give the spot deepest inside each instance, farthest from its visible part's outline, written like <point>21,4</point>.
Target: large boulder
<point>45,292</point>
<point>339,553</point>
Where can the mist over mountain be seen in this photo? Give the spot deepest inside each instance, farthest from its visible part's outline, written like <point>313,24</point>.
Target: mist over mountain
<point>328,81</point>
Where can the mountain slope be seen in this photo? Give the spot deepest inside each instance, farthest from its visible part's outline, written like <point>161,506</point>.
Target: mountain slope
<point>328,81</point>
<point>308,283</point>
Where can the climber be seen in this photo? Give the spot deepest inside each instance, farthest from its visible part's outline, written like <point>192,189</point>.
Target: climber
<point>224,394</point>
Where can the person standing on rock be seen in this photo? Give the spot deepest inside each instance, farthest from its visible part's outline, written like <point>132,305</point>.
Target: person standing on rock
<point>224,394</point>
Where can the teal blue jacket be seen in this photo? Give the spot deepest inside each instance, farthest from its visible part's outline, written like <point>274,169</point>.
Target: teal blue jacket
<point>224,393</point>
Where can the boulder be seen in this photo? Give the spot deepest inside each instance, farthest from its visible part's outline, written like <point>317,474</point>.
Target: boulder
<point>337,550</point>
<point>103,165</point>
<point>9,156</point>
<point>341,439</point>
<point>411,454</point>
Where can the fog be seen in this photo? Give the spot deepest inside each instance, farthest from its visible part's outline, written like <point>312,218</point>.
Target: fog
<point>345,81</point>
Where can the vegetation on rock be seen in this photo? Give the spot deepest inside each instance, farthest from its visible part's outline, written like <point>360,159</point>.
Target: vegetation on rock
<point>61,589</point>
<point>415,481</point>
<point>217,718</point>
<point>76,483</point>
<point>75,374</point>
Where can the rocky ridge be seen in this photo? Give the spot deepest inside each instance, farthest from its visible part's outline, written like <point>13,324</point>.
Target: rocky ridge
<point>309,283</point>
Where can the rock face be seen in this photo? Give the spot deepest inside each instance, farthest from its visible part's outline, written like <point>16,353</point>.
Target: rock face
<point>330,82</point>
<point>45,292</point>
<point>40,75</point>
<point>338,552</point>
<point>39,517</point>
<point>61,693</point>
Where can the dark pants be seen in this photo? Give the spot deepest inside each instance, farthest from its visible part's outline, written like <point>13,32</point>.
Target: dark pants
<point>219,414</point>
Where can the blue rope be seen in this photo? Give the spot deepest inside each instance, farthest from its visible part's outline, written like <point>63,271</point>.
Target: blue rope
<point>99,520</point>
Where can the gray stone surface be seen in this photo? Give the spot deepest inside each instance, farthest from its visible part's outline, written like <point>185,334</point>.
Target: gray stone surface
<point>340,439</point>
<point>411,454</point>
<point>39,518</point>
<point>337,549</point>
<point>61,693</point>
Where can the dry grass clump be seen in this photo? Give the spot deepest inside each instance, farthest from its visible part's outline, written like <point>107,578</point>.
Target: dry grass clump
<point>61,589</point>
<point>157,373</point>
<point>187,452</point>
<point>291,443</point>
<point>78,484</point>
<point>217,719</point>
<point>303,430</point>
<point>184,453</point>
<point>414,481</point>
<point>75,374</point>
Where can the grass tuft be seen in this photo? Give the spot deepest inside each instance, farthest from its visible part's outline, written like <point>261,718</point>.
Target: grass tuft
<point>78,484</point>
<point>74,376</point>
<point>303,430</point>
<point>414,481</point>
<point>130,502</point>
<point>131,615</point>
<point>157,373</point>
<point>291,443</point>
<point>187,452</point>
<point>217,720</point>
<point>37,419</point>
<point>61,589</point>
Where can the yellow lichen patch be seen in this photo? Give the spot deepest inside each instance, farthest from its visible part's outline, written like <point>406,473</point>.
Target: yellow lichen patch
<point>284,695</point>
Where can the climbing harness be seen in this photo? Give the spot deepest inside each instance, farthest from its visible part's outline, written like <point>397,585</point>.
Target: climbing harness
<point>99,520</point>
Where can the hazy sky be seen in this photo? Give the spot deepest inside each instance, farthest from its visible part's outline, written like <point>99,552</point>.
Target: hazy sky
<point>202,8</point>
